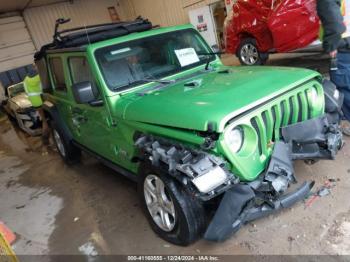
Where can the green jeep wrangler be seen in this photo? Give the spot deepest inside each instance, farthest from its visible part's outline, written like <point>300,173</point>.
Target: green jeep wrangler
<point>210,146</point>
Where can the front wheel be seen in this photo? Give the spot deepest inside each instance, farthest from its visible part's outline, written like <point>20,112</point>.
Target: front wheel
<point>173,213</point>
<point>249,54</point>
<point>69,153</point>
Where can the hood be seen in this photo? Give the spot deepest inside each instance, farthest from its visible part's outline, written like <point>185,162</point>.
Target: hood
<point>216,99</point>
<point>21,100</point>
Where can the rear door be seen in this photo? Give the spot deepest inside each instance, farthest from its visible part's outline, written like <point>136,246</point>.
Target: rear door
<point>293,24</point>
<point>61,95</point>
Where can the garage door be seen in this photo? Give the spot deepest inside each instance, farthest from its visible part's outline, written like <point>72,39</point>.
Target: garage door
<point>16,46</point>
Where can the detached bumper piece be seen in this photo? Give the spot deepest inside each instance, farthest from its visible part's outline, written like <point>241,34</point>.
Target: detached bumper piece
<point>316,138</point>
<point>229,218</point>
<point>262,197</point>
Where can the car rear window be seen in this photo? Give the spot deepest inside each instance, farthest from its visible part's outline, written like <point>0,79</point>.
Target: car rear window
<point>57,70</point>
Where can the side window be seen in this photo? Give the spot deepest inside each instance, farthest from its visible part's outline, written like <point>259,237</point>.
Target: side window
<point>56,66</point>
<point>80,70</point>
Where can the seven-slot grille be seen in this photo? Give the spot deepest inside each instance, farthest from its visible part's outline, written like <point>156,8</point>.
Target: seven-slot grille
<point>292,109</point>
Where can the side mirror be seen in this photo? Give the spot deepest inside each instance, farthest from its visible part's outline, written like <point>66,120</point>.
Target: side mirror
<point>84,93</point>
<point>216,50</point>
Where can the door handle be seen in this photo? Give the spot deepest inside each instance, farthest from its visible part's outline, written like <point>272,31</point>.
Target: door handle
<point>78,116</point>
<point>77,120</point>
<point>81,118</point>
<point>77,110</point>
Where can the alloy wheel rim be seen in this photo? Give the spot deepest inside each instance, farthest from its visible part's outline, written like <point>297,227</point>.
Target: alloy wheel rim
<point>59,143</point>
<point>159,203</point>
<point>249,54</point>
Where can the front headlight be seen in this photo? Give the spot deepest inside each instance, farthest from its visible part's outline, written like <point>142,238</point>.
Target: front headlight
<point>336,94</point>
<point>210,180</point>
<point>234,139</point>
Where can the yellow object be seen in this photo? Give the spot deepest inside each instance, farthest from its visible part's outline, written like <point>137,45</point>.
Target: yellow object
<point>343,12</point>
<point>32,87</point>
<point>342,8</point>
<point>6,252</point>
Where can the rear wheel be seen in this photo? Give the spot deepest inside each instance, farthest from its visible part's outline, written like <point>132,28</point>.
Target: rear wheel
<point>6,110</point>
<point>69,153</point>
<point>311,161</point>
<point>173,213</point>
<point>249,54</point>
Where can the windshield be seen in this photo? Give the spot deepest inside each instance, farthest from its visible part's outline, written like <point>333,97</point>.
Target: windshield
<point>128,64</point>
<point>15,89</point>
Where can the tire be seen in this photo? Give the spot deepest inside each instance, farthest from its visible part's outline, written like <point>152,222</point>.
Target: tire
<point>187,224</point>
<point>311,162</point>
<point>69,153</point>
<point>248,53</point>
<point>11,118</point>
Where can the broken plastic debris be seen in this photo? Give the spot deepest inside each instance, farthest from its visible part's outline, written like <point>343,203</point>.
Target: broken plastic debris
<point>290,238</point>
<point>45,153</point>
<point>88,249</point>
<point>323,192</point>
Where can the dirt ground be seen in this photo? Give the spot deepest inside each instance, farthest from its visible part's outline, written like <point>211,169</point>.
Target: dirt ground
<point>88,208</point>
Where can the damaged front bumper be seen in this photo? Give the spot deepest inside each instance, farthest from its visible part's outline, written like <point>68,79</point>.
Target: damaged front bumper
<point>29,121</point>
<point>318,138</point>
<point>234,208</point>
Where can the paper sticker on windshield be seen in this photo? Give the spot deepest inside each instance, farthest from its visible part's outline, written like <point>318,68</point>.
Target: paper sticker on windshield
<point>187,56</point>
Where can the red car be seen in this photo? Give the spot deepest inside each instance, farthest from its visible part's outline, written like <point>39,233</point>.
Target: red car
<point>256,28</point>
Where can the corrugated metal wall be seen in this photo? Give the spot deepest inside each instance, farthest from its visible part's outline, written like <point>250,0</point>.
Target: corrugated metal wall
<point>193,4</point>
<point>41,20</point>
<point>16,46</point>
<point>164,12</point>
<point>161,12</point>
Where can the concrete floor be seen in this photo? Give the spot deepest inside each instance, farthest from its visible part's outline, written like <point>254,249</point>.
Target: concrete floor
<point>56,209</point>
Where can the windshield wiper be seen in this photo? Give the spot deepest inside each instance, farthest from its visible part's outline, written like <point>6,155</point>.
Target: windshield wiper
<point>209,54</point>
<point>144,80</point>
<point>162,81</point>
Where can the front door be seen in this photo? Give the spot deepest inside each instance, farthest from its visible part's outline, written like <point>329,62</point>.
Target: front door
<point>90,124</point>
